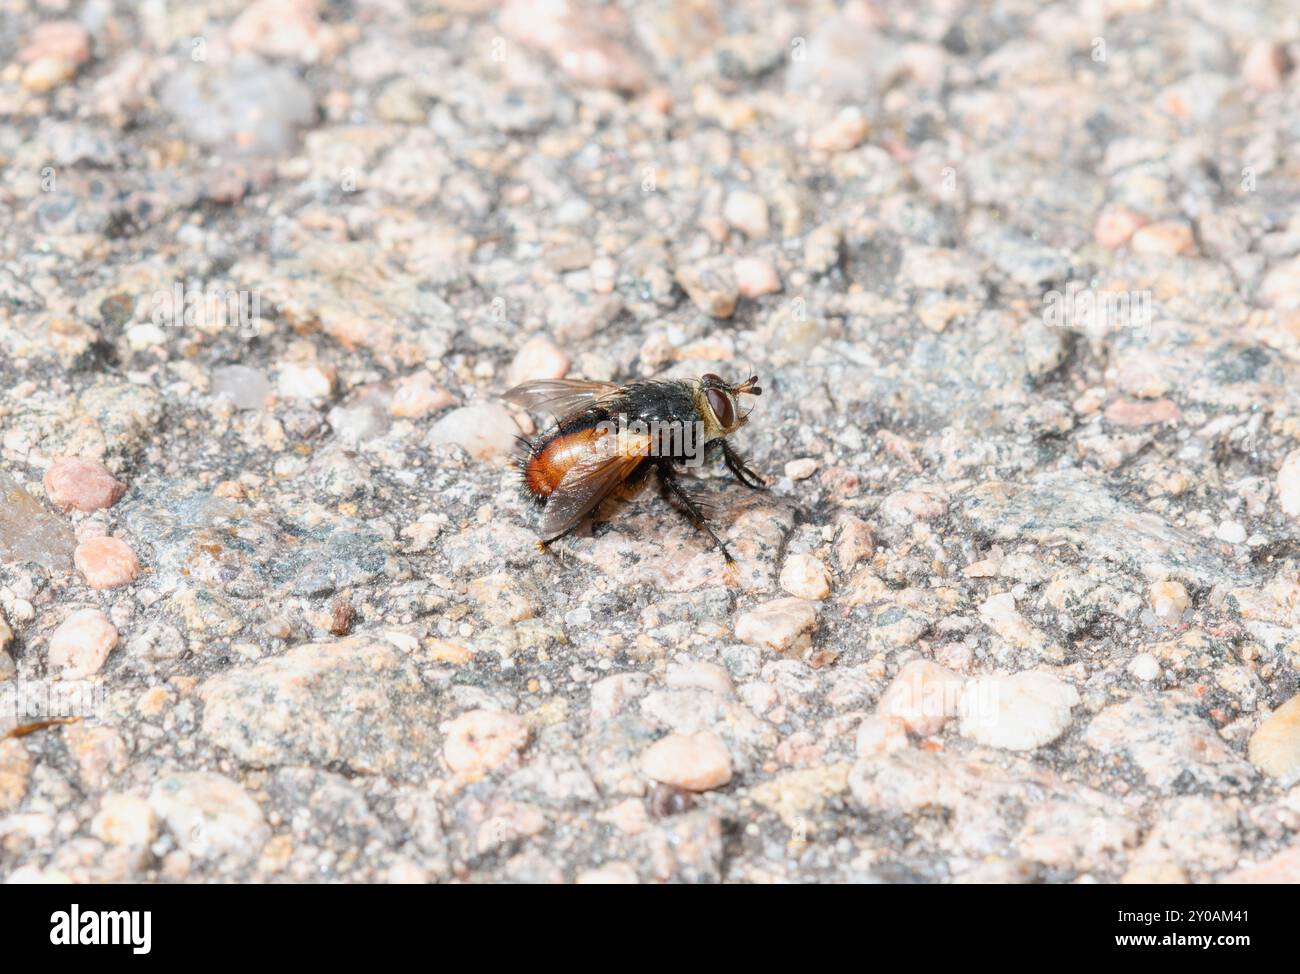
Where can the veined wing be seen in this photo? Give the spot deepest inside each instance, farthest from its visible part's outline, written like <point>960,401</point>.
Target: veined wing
<point>591,480</point>
<point>559,397</point>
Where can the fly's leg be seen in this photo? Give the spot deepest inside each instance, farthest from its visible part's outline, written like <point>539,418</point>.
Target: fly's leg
<point>736,464</point>
<point>670,483</point>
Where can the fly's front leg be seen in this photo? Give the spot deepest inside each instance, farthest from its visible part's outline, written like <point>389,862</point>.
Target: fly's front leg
<point>736,464</point>
<point>669,480</point>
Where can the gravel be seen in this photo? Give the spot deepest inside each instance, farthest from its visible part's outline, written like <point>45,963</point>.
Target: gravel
<point>1019,605</point>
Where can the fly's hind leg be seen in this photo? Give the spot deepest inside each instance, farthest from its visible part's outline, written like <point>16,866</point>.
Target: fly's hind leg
<point>669,480</point>
<point>736,464</point>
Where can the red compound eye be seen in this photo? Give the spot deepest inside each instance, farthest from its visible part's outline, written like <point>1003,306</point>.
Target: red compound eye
<point>720,403</point>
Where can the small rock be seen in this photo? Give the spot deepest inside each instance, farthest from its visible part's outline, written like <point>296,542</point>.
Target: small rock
<point>86,485</point>
<point>306,380</point>
<point>1019,712</point>
<point>711,288</point>
<point>485,431</point>
<point>82,643</point>
<point>801,469</point>
<point>804,575</point>
<point>747,212</point>
<point>1169,600</point>
<point>1275,745</point>
<point>106,563</point>
<point>125,820</point>
<point>46,73</point>
<point>923,696</point>
<point>538,358</point>
<point>1137,413</point>
<point>907,506</point>
<point>1231,532</point>
<point>54,54</point>
<point>1116,226</point>
<point>755,277</point>
<point>821,250</point>
<point>210,816</point>
<point>846,131</point>
<point>65,39</point>
<point>881,735</point>
<point>481,740</point>
<point>415,396</point>
<point>1144,667</point>
<point>782,624</point>
<point>1288,484</point>
<point>1265,65</point>
<point>701,675</point>
<point>855,542</point>
<point>1166,239</point>
<point>283,28</point>
<point>694,762</point>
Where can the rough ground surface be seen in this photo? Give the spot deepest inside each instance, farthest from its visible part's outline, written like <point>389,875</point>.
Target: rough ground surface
<point>340,656</point>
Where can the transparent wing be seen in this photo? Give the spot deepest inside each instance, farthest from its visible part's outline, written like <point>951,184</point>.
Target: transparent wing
<point>590,481</point>
<point>559,397</point>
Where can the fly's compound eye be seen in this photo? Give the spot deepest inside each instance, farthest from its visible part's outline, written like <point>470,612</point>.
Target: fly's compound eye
<point>720,403</point>
<point>713,380</point>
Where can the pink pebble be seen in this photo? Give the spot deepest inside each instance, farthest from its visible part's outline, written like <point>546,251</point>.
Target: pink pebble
<point>1116,225</point>
<point>82,643</point>
<point>87,485</point>
<point>755,277</point>
<point>106,562</point>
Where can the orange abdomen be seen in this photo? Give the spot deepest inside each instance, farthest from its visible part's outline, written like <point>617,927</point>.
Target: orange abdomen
<point>545,468</point>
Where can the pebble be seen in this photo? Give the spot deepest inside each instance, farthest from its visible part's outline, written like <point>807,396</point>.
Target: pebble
<point>1116,226</point>
<point>1275,745</point>
<point>1019,712</point>
<point>822,249</point>
<point>854,542</point>
<point>54,54</point>
<point>210,816</point>
<point>881,735</point>
<point>782,624</point>
<point>701,675</point>
<point>1137,413</point>
<point>538,358</point>
<point>283,28</point>
<point>415,396</point>
<point>1166,239</point>
<point>84,485</point>
<point>573,38</point>
<point>306,380</point>
<point>693,762</point>
<point>923,696</point>
<point>747,212</point>
<point>1288,484</point>
<point>846,131</point>
<point>106,562</point>
<point>711,287</point>
<point>481,740</point>
<point>125,820</point>
<point>755,277</point>
<point>1169,600</point>
<point>1265,65</point>
<point>801,469</point>
<point>1231,532</point>
<point>486,431</point>
<point>805,576</point>
<point>1144,667</point>
<point>81,644</point>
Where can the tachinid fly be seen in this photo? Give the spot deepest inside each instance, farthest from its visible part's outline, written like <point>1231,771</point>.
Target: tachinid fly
<point>608,436</point>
